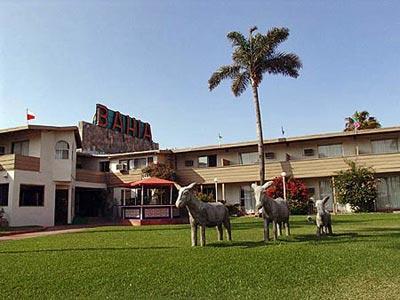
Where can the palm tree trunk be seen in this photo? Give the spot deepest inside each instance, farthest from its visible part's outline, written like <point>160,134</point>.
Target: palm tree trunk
<point>259,135</point>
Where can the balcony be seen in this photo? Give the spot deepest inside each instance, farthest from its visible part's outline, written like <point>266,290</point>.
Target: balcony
<point>111,179</point>
<point>10,162</point>
<point>119,178</point>
<point>319,167</point>
<point>91,176</point>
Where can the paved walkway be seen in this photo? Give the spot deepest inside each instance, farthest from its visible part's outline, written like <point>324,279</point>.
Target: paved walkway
<point>49,231</point>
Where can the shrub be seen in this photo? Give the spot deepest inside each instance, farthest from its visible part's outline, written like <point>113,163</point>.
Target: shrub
<point>296,193</point>
<point>159,170</point>
<point>204,197</point>
<point>357,187</point>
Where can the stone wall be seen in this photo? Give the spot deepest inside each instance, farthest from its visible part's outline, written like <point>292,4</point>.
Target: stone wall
<point>96,139</point>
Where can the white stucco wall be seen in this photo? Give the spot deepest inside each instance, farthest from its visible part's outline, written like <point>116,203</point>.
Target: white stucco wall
<point>53,173</point>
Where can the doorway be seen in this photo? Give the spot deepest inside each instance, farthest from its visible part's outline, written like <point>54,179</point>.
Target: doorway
<point>61,207</point>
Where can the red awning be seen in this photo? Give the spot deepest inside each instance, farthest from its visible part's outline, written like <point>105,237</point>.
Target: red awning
<point>151,182</point>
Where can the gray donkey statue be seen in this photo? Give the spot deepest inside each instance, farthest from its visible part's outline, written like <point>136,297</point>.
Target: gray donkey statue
<point>275,211</point>
<point>323,220</point>
<point>203,214</point>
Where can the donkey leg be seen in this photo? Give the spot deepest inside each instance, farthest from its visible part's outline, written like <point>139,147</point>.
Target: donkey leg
<point>330,229</point>
<point>279,229</point>
<point>194,235</point>
<point>220,232</point>
<point>274,231</point>
<point>227,224</point>
<point>266,230</point>
<point>203,235</point>
<point>318,231</point>
<point>287,227</point>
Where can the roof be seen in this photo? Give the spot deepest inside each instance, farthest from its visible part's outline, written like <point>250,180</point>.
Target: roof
<point>151,182</point>
<point>293,139</point>
<point>123,154</point>
<point>45,128</point>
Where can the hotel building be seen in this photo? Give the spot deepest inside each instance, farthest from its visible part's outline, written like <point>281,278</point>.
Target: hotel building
<point>50,175</point>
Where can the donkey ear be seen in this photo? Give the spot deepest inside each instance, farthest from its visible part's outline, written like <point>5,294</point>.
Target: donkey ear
<point>178,187</point>
<point>267,184</point>
<point>325,199</point>
<point>190,186</point>
<point>253,186</point>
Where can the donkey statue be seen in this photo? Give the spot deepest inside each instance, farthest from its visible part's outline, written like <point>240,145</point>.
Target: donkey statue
<point>203,214</point>
<point>275,211</point>
<point>323,220</point>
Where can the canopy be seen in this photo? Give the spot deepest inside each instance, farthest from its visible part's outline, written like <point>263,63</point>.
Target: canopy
<point>151,182</point>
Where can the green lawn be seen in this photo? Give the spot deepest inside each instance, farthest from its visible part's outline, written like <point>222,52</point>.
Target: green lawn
<point>361,261</point>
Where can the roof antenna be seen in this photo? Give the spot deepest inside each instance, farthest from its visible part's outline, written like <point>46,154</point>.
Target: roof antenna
<point>219,139</point>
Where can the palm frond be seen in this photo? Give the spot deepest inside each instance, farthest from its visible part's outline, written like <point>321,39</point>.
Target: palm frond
<point>222,73</point>
<point>239,83</point>
<point>237,39</point>
<point>265,45</point>
<point>287,64</point>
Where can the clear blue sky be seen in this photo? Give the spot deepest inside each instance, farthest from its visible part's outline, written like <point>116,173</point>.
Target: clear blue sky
<point>152,60</point>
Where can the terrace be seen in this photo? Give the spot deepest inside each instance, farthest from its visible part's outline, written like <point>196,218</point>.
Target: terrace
<point>9,162</point>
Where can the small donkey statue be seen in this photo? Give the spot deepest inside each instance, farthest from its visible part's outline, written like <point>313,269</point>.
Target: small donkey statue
<point>275,211</point>
<point>203,214</point>
<point>323,220</point>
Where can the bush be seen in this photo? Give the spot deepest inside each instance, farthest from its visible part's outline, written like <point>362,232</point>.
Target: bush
<point>357,187</point>
<point>204,197</point>
<point>296,193</point>
<point>159,170</point>
<point>235,210</point>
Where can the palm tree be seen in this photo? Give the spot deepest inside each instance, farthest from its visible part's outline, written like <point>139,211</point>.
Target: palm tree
<point>251,58</point>
<point>364,120</point>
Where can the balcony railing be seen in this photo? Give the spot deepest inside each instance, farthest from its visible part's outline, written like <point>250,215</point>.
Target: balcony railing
<point>118,178</point>
<point>319,167</point>
<point>10,162</point>
<point>91,176</point>
<point>110,178</point>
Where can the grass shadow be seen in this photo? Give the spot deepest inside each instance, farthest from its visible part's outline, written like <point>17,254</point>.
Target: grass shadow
<point>241,244</point>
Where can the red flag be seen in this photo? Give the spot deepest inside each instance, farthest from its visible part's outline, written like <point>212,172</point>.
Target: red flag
<point>30,115</point>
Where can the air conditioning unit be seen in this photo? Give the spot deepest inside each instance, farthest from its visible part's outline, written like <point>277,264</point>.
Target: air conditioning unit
<point>309,152</point>
<point>122,167</point>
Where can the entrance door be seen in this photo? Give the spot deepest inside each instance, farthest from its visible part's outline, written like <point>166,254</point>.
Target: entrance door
<point>61,208</point>
<point>247,199</point>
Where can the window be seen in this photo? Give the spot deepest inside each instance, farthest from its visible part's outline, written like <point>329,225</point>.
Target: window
<point>139,163</point>
<point>248,158</point>
<point>31,195</point>
<point>325,189</point>
<point>104,166</point>
<point>270,155</point>
<point>188,163</point>
<point>311,192</point>
<point>2,150</point>
<point>150,160</point>
<point>335,150</point>
<point>21,148</point>
<point>308,152</point>
<point>4,194</point>
<point>207,161</point>
<point>385,146</point>
<point>62,150</point>
<point>123,165</point>
<point>203,162</point>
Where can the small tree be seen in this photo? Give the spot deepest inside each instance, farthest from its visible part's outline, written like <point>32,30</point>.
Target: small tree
<point>159,170</point>
<point>363,120</point>
<point>357,187</point>
<point>296,193</point>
